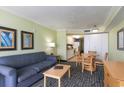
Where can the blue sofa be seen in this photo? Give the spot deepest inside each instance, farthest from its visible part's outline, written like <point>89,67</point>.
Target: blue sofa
<point>24,70</point>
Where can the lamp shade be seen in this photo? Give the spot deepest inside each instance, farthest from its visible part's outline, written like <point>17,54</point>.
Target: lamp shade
<point>51,44</point>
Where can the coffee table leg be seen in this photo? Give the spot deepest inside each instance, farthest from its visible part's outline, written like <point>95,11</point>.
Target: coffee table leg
<point>69,73</point>
<point>59,82</point>
<point>44,81</point>
<point>76,64</point>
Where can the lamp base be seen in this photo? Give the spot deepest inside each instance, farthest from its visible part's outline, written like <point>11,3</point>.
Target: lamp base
<point>51,54</point>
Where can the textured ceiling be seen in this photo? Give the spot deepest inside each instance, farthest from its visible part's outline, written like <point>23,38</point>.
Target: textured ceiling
<point>117,19</point>
<point>63,17</point>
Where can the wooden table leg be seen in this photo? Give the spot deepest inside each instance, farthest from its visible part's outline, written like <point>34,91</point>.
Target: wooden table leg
<point>82,67</point>
<point>59,82</point>
<point>69,73</point>
<point>44,81</point>
<point>76,64</point>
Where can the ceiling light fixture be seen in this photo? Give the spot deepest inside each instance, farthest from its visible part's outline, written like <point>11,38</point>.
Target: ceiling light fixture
<point>76,36</point>
<point>95,29</point>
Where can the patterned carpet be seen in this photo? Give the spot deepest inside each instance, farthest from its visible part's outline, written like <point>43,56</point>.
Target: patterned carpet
<point>78,79</point>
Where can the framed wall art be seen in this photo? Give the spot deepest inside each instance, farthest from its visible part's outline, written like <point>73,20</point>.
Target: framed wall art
<point>120,39</point>
<point>7,38</point>
<point>27,40</point>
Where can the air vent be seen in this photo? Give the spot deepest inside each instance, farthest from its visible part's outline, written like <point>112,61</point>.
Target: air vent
<point>86,31</point>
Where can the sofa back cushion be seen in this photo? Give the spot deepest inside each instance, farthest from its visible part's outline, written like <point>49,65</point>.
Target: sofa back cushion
<point>18,61</point>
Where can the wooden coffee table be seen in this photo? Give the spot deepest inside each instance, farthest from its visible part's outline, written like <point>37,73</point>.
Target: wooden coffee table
<point>57,73</point>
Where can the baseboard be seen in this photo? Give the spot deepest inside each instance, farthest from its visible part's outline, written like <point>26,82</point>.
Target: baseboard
<point>63,60</point>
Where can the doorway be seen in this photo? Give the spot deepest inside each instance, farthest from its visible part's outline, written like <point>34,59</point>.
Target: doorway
<point>75,43</point>
<point>81,44</point>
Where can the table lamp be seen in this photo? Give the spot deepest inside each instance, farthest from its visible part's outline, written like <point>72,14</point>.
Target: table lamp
<point>51,45</point>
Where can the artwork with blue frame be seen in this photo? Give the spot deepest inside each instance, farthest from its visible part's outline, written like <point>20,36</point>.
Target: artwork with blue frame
<point>27,40</point>
<point>7,38</point>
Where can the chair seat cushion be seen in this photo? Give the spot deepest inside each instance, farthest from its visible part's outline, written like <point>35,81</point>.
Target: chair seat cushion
<point>25,73</point>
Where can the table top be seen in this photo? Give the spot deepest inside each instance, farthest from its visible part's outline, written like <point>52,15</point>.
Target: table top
<point>57,73</point>
<point>116,69</point>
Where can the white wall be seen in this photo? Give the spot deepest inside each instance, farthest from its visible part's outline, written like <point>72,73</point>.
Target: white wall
<point>61,44</point>
<point>96,42</point>
<point>42,35</point>
<point>70,40</point>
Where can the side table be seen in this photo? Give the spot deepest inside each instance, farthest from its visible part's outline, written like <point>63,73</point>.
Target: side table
<point>58,57</point>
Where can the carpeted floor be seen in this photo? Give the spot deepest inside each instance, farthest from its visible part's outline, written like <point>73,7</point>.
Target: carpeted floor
<point>78,79</point>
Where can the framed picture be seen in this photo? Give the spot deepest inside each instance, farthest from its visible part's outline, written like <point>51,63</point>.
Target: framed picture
<point>7,38</point>
<point>27,40</point>
<point>120,39</point>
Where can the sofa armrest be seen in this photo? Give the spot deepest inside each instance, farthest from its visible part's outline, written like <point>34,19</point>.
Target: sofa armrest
<point>9,75</point>
<point>52,58</point>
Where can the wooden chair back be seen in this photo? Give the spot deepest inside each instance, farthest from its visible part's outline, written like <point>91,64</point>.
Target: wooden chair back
<point>90,60</point>
<point>92,52</point>
<point>101,63</point>
<point>77,58</point>
<point>89,64</point>
<point>106,56</point>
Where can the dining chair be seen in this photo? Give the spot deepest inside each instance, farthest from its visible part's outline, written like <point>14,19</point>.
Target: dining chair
<point>88,64</point>
<point>101,62</point>
<point>92,52</point>
<point>78,58</point>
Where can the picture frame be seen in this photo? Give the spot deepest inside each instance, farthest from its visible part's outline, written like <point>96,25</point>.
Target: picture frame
<point>27,40</point>
<point>7,38</point>
<point>120,39</point>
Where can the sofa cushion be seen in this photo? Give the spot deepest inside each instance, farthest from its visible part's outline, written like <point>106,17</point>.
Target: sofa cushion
<point>19,61</point>
<point>2,80</point>
<point>43,65</point>
<point>25,73</point>
<point>30,70</point>
<point>39,66</point>
<point>49,63</point>
<point>30,81</point>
